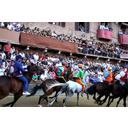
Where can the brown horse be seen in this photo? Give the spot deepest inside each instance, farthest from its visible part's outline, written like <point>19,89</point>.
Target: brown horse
<point>49,84</point>
<point>115,89</point>
<point>15,86</point>
<point>96,88</point>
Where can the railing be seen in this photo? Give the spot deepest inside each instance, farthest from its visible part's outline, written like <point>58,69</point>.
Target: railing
<point>123,39</point>
<point>104,34</point>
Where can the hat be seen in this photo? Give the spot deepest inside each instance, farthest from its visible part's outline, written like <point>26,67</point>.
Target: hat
<point>80,65</point>
<point>63,63</point>
<point>18,57</point>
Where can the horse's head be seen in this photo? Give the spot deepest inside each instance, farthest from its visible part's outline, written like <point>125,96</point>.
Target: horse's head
<point>69,74</point>
<point>34,68</point>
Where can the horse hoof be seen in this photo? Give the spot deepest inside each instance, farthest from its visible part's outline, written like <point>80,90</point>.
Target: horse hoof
<point>64,106</point>
<point>40,105</point>
<point>48,104</point>
<point>56,101</point>
<point>78,104</point>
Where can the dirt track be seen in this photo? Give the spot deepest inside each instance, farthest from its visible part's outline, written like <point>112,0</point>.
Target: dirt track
<point>72,102</point>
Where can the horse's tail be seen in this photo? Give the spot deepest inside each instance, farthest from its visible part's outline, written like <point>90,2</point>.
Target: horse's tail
<point>57,84</point>
<point>35,89</point>
<point>91,89</point>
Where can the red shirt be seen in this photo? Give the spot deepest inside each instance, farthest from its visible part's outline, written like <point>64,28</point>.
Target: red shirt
<point>41,57</point>
<point>7,48</point>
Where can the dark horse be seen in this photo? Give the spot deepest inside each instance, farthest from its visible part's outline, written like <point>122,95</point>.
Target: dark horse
<point>116,89</point>
<point>48,84</point>
<point>10,84</point>
<point>96,88</point>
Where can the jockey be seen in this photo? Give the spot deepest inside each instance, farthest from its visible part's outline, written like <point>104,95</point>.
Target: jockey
<point>78,76</point>
<point>60,72</point>
<point>17,73</point>
<point>122,76</point>
<point>108,76</point>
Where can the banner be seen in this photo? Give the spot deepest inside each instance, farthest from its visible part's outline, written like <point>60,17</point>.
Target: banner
<point>124,56</point>
<point>9,35</point>
<point>41,41</point>
<point>123,39</point>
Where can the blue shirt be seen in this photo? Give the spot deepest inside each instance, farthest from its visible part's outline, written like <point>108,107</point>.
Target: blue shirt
<point>18,69</point>
<point>31,56</point>
<point>1,63</point>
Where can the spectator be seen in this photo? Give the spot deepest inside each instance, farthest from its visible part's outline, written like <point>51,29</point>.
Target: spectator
<point>102,26</point>
<point>3,55</point>
<point>44,62</point>
<point>13,56</point>
<point>1,48</point>
<point>35,77</point>
<point>7,71</point>
<point>12,50</point>
<point>121,31</point>
<point>1,62</point>
<point>10,26</point>
<point>43,76</point>
<point>2,70</point>
<point>7,48</point>
<point>22,54</point>
<point>49,75</point>
<point>106,27</point>
<point>31,55</point>
<point>36,57</point>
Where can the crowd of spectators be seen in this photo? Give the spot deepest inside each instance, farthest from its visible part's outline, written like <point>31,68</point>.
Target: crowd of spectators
<point>84,46</point>
<point>48,63</point>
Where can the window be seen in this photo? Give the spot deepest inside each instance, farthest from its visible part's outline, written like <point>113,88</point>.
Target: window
<point>62,24</point>
<point>82,26</point>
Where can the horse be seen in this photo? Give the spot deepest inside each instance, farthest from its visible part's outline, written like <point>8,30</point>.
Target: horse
<point>115,89</point>
<point>15,86</point>
<point>96,88</point>
<point>123,95</point>
<point>71,87</point>
<point>49,86</point>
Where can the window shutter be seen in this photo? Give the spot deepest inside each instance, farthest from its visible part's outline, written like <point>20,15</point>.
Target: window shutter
<point>77,26</point>
<point>87,27</point>
<point>62,24</point>
<point>50,22</point>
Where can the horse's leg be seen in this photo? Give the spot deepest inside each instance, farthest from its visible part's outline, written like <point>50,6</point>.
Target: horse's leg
<point>119,101</point>
<point>78,99</point>
<point>124,101</point>
<point>59,93</point>
<point>16,97</point>
<point>94,97</point>
<point>45,99</point>
<point>111,98</point>
<point>106,96</point>
<point>68,96</point>
<point>42,96</point>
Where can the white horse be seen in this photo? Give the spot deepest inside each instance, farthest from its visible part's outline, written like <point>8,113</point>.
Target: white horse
<point>71,88</point>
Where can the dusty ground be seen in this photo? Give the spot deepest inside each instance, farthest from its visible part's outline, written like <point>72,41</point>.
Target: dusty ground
<point>72,102</point>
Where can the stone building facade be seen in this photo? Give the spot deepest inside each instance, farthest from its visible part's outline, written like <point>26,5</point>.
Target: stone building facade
<point>70,29</point>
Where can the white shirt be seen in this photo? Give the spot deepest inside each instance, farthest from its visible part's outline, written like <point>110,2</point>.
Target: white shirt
<point>22,54</point>
<point>43,76</point>
<point>18,25</point>
<point>2,71</point>
<point>12,50</point>
<point>9,27</point>
<point>13,57</point>
<point>102,27</point>
<point>36,57</point>
<point>3,56</point>
<point>106,28</point>
<point>50,63</point>
<point>2,24</point>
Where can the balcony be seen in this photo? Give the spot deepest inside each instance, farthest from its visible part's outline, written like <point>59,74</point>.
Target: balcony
<point>104,34</point>
<point>123,39</point>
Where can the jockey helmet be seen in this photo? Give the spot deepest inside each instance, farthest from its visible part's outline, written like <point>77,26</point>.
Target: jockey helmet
<point>63,63</point>
<point>18,57</point>
<point>109,68</point>
<point>80,66</point>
